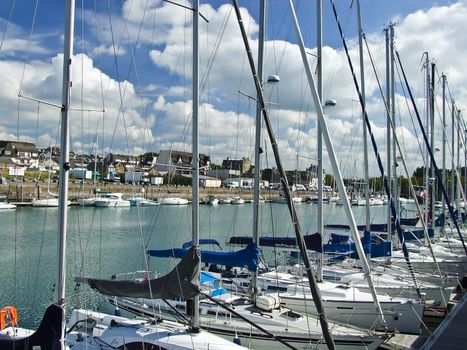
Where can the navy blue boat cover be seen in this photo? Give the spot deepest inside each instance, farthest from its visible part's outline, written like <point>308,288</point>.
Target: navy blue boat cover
<point>312,241</point>
<point>248,256</point>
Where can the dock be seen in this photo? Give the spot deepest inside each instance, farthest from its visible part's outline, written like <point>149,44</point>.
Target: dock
<point>452,332</point>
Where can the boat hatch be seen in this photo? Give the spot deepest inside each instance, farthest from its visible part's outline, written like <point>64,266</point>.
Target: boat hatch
<point>293,315</point>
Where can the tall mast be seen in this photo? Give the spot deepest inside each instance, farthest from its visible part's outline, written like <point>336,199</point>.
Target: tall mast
<point>453,139</point>
<point>464,132</point>
<point>64,154</point>
<point>319,68</point>
<point>443,211</point>
<point>432,143</point>
<point>195,153</point>
<point>388,129</point>
<point>262,25</point>
<point>458,169</point>
<point>427,159</point>
<point>395,185</point>
<point>365,139</point>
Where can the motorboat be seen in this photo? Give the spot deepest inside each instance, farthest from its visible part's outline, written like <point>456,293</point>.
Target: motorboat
<point>211,200</point>
<point>111,200</point>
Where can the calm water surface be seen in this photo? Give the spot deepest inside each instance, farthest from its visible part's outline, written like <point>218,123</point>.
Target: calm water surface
<point>106,241</point>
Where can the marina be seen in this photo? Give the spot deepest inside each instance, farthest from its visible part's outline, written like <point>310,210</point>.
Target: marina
<point>187,205</point>
<point>107,241</point>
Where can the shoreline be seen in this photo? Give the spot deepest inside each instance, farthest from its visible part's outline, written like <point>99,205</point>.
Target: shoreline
<point>24,192</point>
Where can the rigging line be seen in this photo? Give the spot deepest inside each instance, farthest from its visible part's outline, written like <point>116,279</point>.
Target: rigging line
<point>378,158</point>
<point>420,146</point>
<point>134,66</point>
<point>82,74</point>
<point>7,23</point>
<point>438,175</point>
<point>204,78</point>
<point>37,122</point>
<point>400,152</point>
<point>101,85</point>
<point>26,61</point>
<point>121,109</point>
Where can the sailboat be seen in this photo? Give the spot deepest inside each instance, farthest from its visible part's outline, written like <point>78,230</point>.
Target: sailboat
<point>5,205</point>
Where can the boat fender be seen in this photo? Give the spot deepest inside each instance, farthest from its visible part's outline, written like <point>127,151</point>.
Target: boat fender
<point>236,340</point>
<point>8,316</point>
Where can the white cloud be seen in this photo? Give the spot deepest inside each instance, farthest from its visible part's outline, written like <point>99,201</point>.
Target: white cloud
<point>227,118</point>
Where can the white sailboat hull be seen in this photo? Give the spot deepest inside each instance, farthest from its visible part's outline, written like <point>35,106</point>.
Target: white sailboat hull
<point>404,317</point>
<point>216,320</point>
<point>173,201</point>
<point>7,206</point>
<point>48,202</point>
<point>102,331</point>
<point>345,304</point>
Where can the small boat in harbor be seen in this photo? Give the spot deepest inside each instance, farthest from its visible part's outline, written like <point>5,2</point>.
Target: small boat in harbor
<point>142,202</point>
<point>238,200</point>
<point>173,201</point>
<point>212,200</point>
<point>111,200</point>
<point>5,206</point>
<point>227,200</point>
<point>50,202</point>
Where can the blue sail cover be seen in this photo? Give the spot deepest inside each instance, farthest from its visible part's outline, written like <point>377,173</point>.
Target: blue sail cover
<point>248,256</point>
<point>339,243</point>
<point>312,241</point>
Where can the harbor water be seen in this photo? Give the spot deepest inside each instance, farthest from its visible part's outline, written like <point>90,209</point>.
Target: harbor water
<point>102,242</point>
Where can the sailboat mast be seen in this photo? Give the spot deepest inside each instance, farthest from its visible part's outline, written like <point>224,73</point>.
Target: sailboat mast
<point>427,126</point>
<point>388,131</point>
<point>262,25</point>
<point>365,138</point>
<point>443,211</point>
<point>458,169</point>
<point>64,158</point>
<point>65,146</point>
<point>432,144</point>
<point>319,69</point>
<point>195,152</point>
<point>395,184</point>
<point>453,168</point>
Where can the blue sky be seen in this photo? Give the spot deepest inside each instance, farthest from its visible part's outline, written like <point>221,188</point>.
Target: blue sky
<point>146,96</point>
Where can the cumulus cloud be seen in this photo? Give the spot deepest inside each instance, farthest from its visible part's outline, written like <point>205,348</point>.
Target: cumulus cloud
<point>158,115</point>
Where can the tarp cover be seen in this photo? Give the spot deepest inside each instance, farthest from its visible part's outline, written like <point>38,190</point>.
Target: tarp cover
<point>248,256</point>
<point>312,241</point>
<point>182,281</point>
